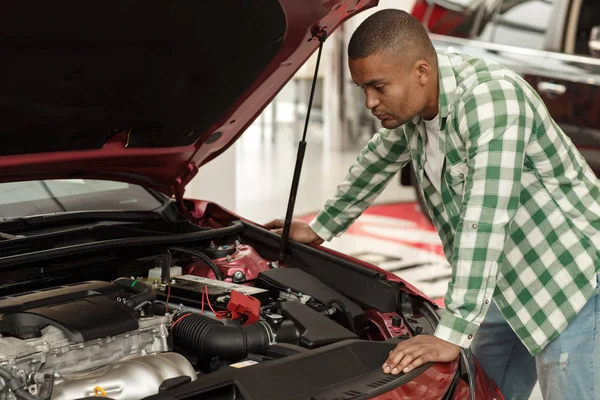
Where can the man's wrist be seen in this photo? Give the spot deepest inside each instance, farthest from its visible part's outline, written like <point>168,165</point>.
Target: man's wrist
<point>456,330</point>
<point>313,225</point>
<point>325,226</point>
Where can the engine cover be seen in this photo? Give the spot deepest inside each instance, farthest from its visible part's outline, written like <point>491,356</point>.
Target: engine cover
<point>85,311</point>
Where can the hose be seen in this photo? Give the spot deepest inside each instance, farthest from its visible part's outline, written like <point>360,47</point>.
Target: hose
<point>344,308</point>
<point>15,385</point>
<point>218,274</point>
<point>207,337</point>
<point>141,292</point>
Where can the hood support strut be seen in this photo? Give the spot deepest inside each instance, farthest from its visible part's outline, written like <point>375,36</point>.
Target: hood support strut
<point>321,35</point>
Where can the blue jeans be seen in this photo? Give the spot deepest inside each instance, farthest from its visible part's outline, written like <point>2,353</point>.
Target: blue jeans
<point>567,368</point>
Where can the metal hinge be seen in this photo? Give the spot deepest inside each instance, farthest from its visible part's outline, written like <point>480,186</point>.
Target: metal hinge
<point>319,33</point>
<point>182,181</point>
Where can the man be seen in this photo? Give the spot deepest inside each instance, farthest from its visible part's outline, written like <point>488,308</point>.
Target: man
<point>515,205</point>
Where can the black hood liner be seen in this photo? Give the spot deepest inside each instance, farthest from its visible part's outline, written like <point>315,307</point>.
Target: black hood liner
<point>74,72</point>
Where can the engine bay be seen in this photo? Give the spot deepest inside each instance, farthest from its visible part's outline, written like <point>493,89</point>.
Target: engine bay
<point>173,315</point>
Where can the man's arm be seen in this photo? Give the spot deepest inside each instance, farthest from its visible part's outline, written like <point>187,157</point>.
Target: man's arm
<point>496,121</point>
<point>499,122</point>
<point>385,154</point>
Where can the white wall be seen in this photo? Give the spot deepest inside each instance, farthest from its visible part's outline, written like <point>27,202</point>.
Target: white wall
<point>216,181</point>
<point>335,127</point>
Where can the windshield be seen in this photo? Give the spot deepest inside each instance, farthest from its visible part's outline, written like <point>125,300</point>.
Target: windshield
<point>24,199</point>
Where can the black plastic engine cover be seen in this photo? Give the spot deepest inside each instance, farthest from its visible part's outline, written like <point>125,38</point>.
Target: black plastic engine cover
<point>316,330</point>
<point>301,281</point>
<point>350,369</point>
<point>84,311</point>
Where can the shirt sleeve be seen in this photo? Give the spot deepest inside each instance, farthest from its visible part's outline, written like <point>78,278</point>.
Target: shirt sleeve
<point>496,122</point>
<point>385,154</point>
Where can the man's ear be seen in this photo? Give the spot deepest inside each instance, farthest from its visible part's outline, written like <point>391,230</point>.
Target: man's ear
<point>423,69</point>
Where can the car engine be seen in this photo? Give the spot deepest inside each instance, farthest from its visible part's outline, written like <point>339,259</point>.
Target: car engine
<point>194,311</point>
<point>80,340</point>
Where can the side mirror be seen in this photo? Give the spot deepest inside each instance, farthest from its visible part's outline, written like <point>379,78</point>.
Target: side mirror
<point>594,43</point>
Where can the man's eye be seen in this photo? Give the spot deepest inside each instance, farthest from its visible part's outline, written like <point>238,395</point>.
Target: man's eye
<point>379,89</point>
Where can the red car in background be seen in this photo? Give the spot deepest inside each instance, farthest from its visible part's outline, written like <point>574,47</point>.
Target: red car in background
<point>113,283</point>
<point>449,17</point>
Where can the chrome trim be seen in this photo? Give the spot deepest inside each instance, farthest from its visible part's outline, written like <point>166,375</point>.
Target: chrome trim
<point>525,61</point>
<point>514,49</point>
<point>553,89</point>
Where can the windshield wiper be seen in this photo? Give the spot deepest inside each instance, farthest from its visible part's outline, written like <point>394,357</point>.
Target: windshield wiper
<point>24,223</point>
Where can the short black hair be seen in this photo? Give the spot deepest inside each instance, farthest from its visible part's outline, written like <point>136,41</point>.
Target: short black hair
<point>391,30</point>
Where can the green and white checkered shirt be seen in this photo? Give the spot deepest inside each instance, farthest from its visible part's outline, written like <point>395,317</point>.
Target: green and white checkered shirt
<point>518,212</point>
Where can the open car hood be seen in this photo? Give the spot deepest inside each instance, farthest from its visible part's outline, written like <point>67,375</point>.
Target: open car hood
<point>145,92</point>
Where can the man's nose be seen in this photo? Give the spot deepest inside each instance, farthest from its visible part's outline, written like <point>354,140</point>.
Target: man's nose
<point>371,101</point>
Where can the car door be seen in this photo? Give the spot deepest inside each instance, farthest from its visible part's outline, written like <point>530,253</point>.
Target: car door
<point>569,84</point>
<point>574,101</point>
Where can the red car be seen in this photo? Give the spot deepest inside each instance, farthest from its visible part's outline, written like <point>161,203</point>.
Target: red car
<point>112,283</point>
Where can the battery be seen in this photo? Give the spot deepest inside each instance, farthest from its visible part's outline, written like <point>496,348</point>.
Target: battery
<point>188,289</point>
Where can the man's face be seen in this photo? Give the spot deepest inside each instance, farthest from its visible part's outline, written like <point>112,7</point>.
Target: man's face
<point>395,92</point>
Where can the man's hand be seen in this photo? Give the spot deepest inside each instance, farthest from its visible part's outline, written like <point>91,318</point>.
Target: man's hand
<point>417,351</point>
<point>299,231</point>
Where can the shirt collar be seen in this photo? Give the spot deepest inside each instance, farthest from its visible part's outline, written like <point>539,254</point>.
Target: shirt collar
<point>447,84</point>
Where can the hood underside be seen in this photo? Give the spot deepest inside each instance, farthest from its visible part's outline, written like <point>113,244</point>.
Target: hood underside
<point>145,92</point>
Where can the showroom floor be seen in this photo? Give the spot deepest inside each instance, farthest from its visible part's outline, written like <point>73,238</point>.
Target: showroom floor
<point>398,241</point>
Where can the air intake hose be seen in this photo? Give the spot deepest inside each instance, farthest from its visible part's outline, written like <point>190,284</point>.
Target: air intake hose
<point>141,292</point>
<point>207,337</point>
